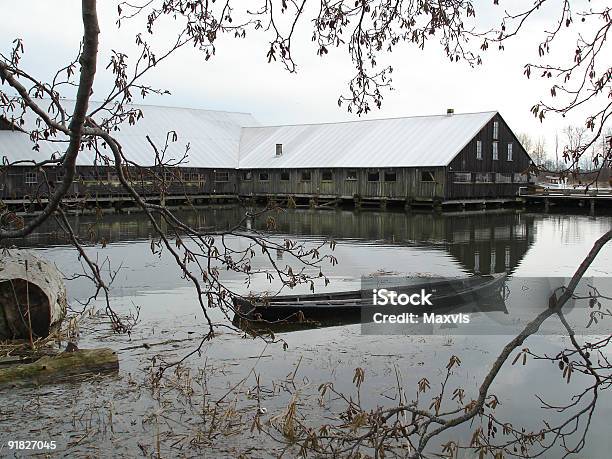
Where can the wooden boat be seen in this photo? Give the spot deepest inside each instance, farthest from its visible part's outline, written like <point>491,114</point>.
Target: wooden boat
<point>32,295</point>
<point>447,293</point>
<point>495,303</point>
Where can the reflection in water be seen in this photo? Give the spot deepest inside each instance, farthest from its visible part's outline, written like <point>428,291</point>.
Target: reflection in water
<point>480,242</point>
<point>368,241</point>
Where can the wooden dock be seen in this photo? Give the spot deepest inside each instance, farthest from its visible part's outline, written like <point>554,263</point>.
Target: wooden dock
<point>84,204</point>
<point>580,197</point>
<point>528,196</point>
<point>383,202</point>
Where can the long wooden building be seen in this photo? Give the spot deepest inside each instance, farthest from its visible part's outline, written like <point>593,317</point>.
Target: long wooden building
<point>445,157</point>
<point>422,159</point>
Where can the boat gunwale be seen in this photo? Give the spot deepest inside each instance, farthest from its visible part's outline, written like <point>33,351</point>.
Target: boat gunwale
<point>320,301</point>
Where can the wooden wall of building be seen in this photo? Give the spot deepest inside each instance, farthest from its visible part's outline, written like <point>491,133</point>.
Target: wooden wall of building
<point>23,181</point>
<point>345,183</point>
<point>467,162</point>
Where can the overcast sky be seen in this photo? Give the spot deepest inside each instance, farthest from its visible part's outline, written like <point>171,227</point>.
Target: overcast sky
<point>240,79</point>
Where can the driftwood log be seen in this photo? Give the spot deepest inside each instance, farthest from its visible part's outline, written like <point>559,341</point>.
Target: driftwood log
<point>53,369</point>
<point>32,295</point>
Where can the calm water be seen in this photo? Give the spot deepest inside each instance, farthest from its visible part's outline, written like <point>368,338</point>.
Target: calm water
<point>368,242</point>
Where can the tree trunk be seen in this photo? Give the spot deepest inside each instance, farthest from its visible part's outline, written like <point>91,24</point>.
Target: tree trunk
<point>53,369</point>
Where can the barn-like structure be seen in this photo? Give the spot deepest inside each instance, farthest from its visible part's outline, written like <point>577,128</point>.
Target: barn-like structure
<point>200,148</point>
<point>421,159</point>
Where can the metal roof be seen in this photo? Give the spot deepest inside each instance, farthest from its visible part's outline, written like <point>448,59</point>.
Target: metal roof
<point>397,142</point>
<point>17,146</point>
<point>213,137</point>
<point>220,139</point>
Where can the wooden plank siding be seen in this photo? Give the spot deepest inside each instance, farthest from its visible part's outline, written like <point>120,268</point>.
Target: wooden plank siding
<point>91,181</point>
<point>466,161</point>
<point>344,183</point>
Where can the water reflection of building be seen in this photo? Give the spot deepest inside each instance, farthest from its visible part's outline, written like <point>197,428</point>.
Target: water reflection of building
<point>128,227</point>
<point>482,242</point>
<point>491,245</point>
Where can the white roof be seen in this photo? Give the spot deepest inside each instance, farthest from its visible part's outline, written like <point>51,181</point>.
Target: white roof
<point>17,146</point>
<point>397,142</point>
<point>213,137</point>
<point>220,139</point>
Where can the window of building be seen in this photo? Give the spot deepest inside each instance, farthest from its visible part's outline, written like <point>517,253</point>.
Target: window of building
<point>221,176</point>
<point>264,177</point>
<point>31,178</point>
<point>247,175</point>
<point>390,176</point>
<point>279,149</point>
<point>284,176</point>
<point>520,178</point>
<point>503,178</point>
<point>483,177</point>
<point>327,175</point>
<point>462,177</point>
<point>495,130</point>
<point>305,176</point>
<point>509,152</point>
<point>428,176</point>
<point>478,149</point>
<point>373,176</point>
<point>495,151</point>
<point>351,174</point>
<point>170,175</point>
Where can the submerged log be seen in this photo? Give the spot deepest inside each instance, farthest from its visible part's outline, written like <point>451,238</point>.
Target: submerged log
<point>52,369</point>
<point>32,295</point>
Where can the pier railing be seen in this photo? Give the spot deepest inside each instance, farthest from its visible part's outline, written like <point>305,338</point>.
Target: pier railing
<point>565,192</point>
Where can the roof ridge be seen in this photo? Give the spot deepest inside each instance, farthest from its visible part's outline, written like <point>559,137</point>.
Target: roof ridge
<point>492,112</point>
<point>68,99</point>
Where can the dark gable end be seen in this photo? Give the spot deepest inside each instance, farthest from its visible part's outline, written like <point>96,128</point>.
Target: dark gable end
<point>522,149</point>
<point>487,168</point>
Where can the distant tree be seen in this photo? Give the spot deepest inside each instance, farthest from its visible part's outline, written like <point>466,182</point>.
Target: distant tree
<point>600,160</point>
<point>526,141</point>
<point>538,152</point>
<point>550,165</point>
<point>535,148</point>
<point>575,136</point>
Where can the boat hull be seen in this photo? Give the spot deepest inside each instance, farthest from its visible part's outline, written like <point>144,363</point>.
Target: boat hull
<point>354,306</point>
